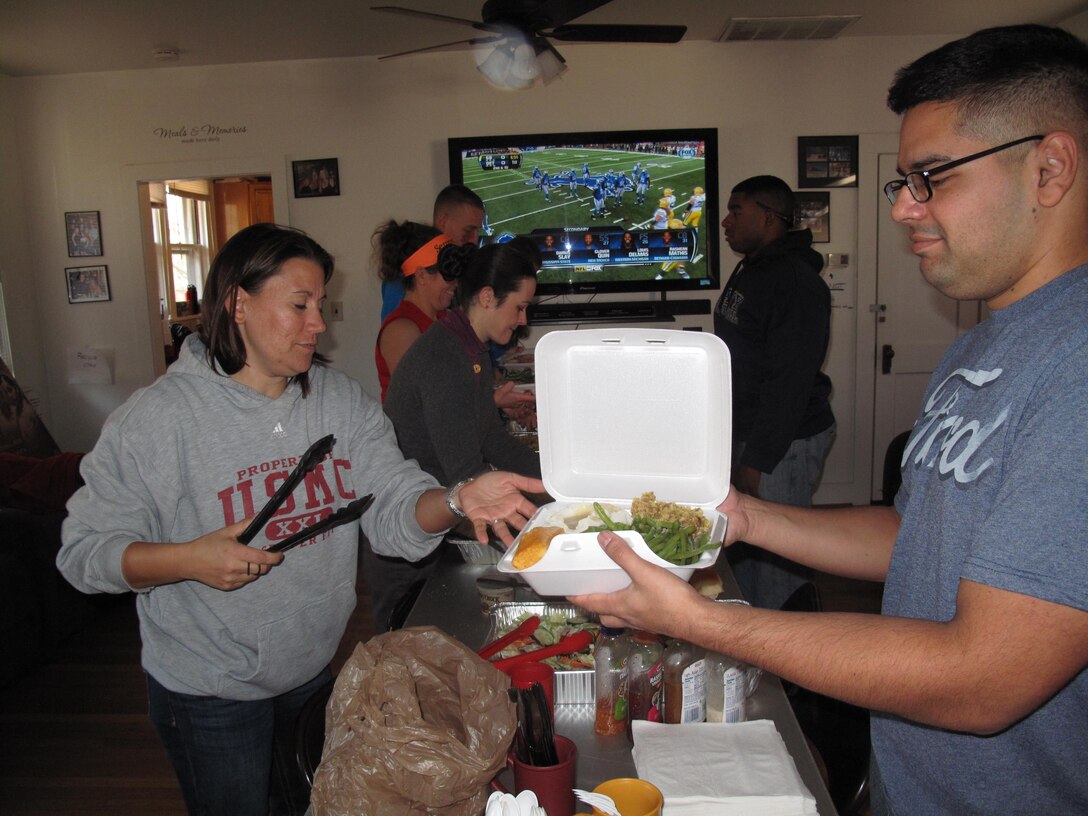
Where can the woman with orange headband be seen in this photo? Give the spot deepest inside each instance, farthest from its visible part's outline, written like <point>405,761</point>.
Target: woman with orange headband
<point>441,400</point>
<point>409,252</point>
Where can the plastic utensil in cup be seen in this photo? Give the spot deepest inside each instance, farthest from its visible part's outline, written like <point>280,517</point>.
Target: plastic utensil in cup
<point>633,797</point>
<point>552,784</point>
<point>523,675</point>
<point>598,801</point>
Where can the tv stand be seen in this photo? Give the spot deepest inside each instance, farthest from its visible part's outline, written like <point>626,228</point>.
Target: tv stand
<point>633,311</point>
<point>626,311</point>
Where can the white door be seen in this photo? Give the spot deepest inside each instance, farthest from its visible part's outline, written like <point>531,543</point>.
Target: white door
<point>915,324</point>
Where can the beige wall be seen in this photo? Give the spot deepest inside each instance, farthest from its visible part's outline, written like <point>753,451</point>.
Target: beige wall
<point>80,142</point>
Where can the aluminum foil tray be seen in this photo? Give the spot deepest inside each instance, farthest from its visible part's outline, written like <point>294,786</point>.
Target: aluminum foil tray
<point>571,687</point>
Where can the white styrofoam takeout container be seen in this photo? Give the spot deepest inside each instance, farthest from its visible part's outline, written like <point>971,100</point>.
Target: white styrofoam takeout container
<point>621,412</point>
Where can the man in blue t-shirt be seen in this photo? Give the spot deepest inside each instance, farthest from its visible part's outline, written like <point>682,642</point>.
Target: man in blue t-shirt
<point>459,214</point>
<point>975,670</point>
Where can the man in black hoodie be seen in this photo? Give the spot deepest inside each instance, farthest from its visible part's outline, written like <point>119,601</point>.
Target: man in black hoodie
<point>774,314</point>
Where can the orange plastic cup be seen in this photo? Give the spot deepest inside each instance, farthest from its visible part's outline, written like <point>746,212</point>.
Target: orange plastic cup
<point>633,797</point>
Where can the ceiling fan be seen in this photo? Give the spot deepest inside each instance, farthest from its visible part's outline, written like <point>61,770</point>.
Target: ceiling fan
<point>521,32</point>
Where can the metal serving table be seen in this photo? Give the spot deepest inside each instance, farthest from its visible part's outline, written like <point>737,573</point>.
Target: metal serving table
<point>450,601</point>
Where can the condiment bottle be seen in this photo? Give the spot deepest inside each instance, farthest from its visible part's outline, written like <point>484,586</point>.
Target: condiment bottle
<point>684,688</point>
<point>726,689</point>
<point>645,673</point>
<point>191,299</point>
<point>610,654</point>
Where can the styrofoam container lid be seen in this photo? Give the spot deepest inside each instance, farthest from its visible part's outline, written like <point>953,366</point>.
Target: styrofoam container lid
<point>622,411</point>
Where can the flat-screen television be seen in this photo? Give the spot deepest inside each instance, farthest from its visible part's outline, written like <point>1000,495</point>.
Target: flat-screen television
<point>611,211</point>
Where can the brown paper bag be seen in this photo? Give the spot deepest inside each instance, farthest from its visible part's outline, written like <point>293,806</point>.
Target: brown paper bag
<point>417,724</point>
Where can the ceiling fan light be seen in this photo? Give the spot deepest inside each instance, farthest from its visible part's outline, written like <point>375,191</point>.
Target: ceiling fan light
<point>550,65</point>
<point>516,83</point>
<point>525,67</point>
<point>495,66</point>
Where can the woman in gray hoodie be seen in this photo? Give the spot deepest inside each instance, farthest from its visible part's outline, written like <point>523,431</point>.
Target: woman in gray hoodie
<point>236,638</point>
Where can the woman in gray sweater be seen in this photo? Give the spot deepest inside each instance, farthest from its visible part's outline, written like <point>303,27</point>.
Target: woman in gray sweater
<point>235,637</point>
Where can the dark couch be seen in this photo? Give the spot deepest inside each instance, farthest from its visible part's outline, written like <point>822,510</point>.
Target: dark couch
<point>38,607</point>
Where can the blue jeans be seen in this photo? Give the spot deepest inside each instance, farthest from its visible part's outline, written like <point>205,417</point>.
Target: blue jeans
<point>766,579</point>
<point>234,757</point>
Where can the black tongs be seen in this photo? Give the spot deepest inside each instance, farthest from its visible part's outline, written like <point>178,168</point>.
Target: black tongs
<point>316,452</point>
<point>349,512</point>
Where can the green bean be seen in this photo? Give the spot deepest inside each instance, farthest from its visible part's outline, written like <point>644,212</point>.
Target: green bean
<point>603,516</point>
<point>666,539</point>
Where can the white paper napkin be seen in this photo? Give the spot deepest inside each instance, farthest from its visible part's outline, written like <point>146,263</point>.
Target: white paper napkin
<point>737,769</point>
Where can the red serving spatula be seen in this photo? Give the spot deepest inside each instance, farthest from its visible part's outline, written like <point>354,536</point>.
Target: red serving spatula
<point>568,645</point>
<point>524,629</point>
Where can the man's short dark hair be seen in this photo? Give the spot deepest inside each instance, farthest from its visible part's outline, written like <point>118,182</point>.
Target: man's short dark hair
<point>1007,82</point>
<point>771,192</point>
<point>454,195</point>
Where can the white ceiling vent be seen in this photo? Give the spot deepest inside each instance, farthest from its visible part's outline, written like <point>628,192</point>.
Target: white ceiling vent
<point>747,29</point>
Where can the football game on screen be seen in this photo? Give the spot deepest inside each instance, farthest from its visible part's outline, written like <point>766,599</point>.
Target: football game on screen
<point>625,211</point>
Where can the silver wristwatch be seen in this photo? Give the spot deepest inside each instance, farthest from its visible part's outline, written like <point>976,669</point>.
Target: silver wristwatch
<point>453,496</point>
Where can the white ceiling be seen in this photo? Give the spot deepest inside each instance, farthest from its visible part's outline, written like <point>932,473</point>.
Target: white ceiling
<point>41,37</point>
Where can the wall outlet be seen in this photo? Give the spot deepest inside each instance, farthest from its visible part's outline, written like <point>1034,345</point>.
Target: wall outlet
<point>336,310</point>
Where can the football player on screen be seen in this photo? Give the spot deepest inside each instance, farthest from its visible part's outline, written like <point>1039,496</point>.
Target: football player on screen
<point>623,184</point>
<point>669,266</point>
<point>695,208</point>
<point>598,201</point>
<point>661,218</point>
<point>642,186</point>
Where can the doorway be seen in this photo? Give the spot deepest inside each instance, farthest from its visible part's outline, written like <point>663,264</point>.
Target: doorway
<point>185,222</point>
<point>915,325</point>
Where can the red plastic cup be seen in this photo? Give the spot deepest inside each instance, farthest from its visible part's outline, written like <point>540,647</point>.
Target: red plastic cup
<point>523,675</point>
<point>552,784</point>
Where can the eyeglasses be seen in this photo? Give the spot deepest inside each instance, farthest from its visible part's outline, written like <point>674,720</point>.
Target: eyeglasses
<point>917,181</point>
<point>772,211</point>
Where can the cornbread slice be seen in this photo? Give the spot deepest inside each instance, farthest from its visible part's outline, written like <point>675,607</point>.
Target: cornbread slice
<point>533,546</point>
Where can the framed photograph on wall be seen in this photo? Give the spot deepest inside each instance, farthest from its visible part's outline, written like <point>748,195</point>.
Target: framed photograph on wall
<point>316,177</point>
<point>827,161</point>
<point>813,211</point>
<point>84,231</point>
<point>87,284</point>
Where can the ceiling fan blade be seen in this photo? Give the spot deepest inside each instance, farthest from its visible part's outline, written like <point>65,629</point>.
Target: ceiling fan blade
<point>454,44</point>
<point>618,33</point>
<point>544,44</point>
<point>538,13</point>
<point>427,15</point>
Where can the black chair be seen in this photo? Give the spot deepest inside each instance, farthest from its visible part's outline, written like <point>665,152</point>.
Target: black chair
<point>310,733</point>
<point>839,731</point>
<point>893,474</point>
<point>178,333</point>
